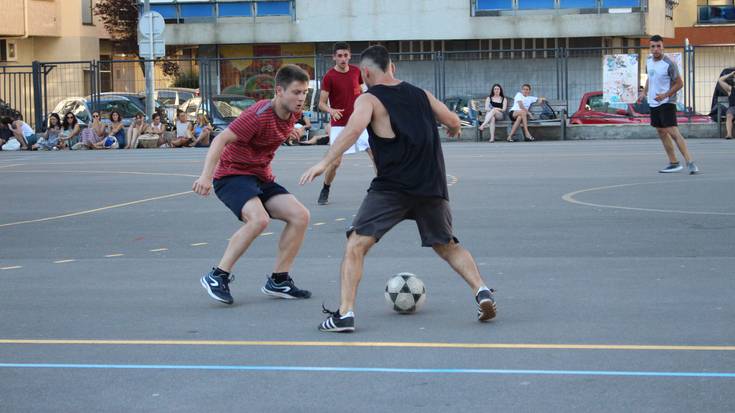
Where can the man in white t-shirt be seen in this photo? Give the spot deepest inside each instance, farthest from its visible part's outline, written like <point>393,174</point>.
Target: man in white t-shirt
<point>519,112</point>
<point>662,85</point>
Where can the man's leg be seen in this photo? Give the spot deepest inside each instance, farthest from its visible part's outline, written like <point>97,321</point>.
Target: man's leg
<point>329,175</point>
<point>668,144</point>
<point>351,270</point>
<point>728,125</point>
<point>461,262</point>
<point>516,124</point>
<point>680,142</point>
<point>287,208</point>
<point>527,135</point>
<point>256,221</point>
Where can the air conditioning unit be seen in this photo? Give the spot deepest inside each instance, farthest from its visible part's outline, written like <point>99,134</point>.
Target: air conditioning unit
<point>8,50</point>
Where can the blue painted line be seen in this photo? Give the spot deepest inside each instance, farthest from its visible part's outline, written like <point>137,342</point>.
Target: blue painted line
<point>370,370</point>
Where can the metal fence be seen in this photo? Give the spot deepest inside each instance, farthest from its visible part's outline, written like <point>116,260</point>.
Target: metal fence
<point>562,74</point>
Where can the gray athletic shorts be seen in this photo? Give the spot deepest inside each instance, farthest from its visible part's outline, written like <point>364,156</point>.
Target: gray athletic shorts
<point>382,210</point>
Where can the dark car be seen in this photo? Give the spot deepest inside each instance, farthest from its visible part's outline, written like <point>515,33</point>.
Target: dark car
<point>139,100</point>
<point>224,109</point>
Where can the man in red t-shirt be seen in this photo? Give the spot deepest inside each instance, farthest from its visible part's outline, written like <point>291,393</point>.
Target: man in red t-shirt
<point>244,182</point>
<point>340,86</point>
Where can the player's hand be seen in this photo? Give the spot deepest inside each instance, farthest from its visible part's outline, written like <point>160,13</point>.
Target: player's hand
<point>294,135</point>
<point>336,113</point>
<point>453,133</point>
<point>312,173</point>
<point>202,186</point>
<point>660,97</point>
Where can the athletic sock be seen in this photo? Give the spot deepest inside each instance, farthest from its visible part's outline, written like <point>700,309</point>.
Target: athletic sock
<point>349,314</point>
<point>279,277</point>
<point>483,288</point>
<point>218,271</point>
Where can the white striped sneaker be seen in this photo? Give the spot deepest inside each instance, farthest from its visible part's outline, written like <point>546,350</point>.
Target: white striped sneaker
<point>337,323</point>
<point>486,309</point>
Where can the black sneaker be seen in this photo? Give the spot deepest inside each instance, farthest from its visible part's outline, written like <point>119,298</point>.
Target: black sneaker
<point>673,167</point>
<point>286,289</point>
<point>485,305</point>
<point>337,323</point>
<point>323,196</point>
<point>217,286</point>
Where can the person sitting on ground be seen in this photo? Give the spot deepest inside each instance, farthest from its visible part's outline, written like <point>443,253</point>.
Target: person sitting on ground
<point>151,135</point>
<point>5,133</point>
<point>23,132</point>
<point>135,129</point>
<point>94,135</point>
<point>318,139</point>
<point>117,129</point>
<point>302,126</point>
<point>69,130</point>
<point>201,130</point>
<point>726,84</point>
<point>49,140</point>
<point>519,112</point>
<point>184,131</point>
<point>495,106</point>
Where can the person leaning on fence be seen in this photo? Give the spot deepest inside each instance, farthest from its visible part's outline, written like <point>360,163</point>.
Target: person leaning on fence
<point>519,112</point>
<point>726,84</point>
<point>69,130</point>
<point>49,140</point>
<point>495,106</point>
<point>136,128</point>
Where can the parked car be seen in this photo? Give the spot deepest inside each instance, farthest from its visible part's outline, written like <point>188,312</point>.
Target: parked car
<point>83,108</point>
<point>225,109</point>
<point>139,100</point>
<point>172,97</point>
<point>594,111</point>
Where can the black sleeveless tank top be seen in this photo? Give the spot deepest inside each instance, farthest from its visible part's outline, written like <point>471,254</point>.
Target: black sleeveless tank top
<point>412,162</point>
<point>731,98</point>
<point>498,105</point>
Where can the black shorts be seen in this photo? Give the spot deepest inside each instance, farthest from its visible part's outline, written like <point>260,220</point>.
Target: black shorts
<point>382,210</point>
<point>235,190</point>
<point>664,116</point>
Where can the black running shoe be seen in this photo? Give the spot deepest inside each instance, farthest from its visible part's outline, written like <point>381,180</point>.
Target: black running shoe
<point>217,286</point>
<point>337,323</point>
<point>323,196</point>
<point>286,289</point>
<point>485,305</point>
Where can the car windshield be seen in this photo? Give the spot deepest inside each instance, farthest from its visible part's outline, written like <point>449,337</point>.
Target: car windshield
<point>126,108</point>
<point>231,107</point>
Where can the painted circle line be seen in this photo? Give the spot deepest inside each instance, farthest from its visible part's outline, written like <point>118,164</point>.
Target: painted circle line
<point>569,197</point>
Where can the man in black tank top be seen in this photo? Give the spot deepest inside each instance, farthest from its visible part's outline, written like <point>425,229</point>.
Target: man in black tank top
<point>410,184</point>
<point>726,83</point>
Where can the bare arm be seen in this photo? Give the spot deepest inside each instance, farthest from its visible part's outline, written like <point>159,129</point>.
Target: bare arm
<point>203,185</point>
<point>445,116</point>
<point>505,104</point>
<point>359,120</point>
<point>487,104</point>
<point>723,82</point>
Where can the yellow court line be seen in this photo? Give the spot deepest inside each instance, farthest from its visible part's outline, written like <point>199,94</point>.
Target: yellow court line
<point>91,211</point>
<point>254,343</point>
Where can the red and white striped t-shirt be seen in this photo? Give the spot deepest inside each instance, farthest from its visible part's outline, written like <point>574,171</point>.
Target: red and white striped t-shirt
<point>259,133</point>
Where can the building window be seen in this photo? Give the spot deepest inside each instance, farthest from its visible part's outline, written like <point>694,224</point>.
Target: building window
<point>196,10</point>
<point>237,9</point>
<point>273,8</point>
<point>621,4</point>
<point>535,4</point>
<point>577,4</point>
<point>492,5</point>
<point>167,11</point>
<point>87,6</point>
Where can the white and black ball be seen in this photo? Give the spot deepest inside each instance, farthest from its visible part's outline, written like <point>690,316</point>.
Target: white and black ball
<point>405,293</point>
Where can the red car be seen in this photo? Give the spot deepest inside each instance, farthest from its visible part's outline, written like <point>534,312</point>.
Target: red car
<point>593,111</point>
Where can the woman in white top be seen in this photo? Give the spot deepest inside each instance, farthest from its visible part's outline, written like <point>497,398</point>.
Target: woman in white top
<point>519,112</point>
<point>23,133</point>
<point>153,130</point>
<point>495,106</point>
<point>184,131</point>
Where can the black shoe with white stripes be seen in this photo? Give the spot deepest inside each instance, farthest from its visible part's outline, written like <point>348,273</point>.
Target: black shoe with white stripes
<point>217,286</point>
<point>286,289</point>
<point>485,305</point>
<point>337,323</point>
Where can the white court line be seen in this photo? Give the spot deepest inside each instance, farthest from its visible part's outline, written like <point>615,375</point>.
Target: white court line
<point>340,219</point>
<point>198,244</point>
<point>64,261</point>
<point>158,250</point>
<point>316,224</point>
<point>12,165</point>
<point>113,255</point>
<point>264,234</point>
<point>14,267</point>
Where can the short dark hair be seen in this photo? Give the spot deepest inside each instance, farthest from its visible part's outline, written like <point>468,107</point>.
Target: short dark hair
<point>288,74</point>
<point>6,120</point>
<point>378,54</point>
<point>656,38</point>
<point>156,115</point>
<point>340,46</point>
<point>526,84</point>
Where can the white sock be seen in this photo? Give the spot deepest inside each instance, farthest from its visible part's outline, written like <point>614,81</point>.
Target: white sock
<point>483,288</point>
<point>349,314</point>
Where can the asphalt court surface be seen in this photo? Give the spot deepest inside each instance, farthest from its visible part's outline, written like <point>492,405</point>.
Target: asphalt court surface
<point>614,287</point>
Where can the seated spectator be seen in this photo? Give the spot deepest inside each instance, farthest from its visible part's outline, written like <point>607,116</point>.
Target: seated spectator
<point>135,129</point>
<point>152,134</point>
<point>317,139</point>
<point>184,131</point>
<point>117,129</point>
<point>727,87</point>
<point>301,131</point>
<point>202,130</point>
<point>5,133</point>
<point>93,136</point>
<point>23,132</point>
<point>69,130</point>
<point>495,106</point>
<point>519,112</point>
<point>49,140</point>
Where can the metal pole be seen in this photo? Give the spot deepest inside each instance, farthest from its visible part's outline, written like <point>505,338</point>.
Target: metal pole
<point>149,67</point>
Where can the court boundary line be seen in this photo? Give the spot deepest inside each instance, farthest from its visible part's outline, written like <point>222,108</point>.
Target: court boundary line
<point>376,344</point>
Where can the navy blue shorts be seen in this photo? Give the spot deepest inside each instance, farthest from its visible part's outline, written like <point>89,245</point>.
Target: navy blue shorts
<point>235,190</point>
